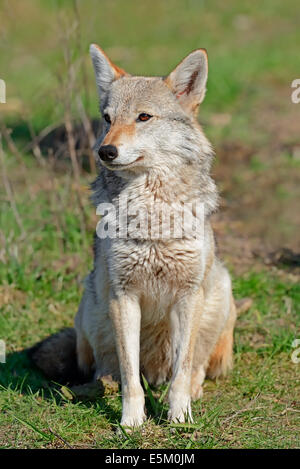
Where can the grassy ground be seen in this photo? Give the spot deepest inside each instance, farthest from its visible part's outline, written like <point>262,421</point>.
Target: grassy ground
<point>46,252</point>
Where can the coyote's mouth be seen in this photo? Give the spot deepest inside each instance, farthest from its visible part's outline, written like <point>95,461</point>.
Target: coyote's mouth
<point>122,166</point>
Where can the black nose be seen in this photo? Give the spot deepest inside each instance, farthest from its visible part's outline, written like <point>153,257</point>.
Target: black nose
<point>108,152</point>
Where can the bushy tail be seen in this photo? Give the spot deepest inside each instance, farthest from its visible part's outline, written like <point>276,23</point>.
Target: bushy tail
<point>56,357</point>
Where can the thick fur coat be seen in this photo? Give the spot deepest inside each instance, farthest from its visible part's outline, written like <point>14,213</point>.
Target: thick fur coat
<point>162,306</point>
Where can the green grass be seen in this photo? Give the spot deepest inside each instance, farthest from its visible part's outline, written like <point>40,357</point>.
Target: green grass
<point>253,58</point>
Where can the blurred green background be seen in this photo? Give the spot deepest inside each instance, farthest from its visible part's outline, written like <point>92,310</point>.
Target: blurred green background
<point>252,46</point>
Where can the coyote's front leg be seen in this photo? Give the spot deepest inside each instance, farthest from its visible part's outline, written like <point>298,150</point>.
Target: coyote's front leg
<point>184,328</point>
<point>126,317</point>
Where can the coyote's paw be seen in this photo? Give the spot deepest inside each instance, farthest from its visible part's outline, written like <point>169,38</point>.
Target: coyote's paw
<point>132,421</point>
<point>180,411</point>
<point>133,414</point>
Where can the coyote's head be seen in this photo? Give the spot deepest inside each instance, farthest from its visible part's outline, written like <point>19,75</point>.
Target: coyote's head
<point>150,122</point>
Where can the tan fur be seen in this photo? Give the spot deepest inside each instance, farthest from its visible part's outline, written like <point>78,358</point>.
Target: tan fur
<point>161,306</point>
<point>114,136</point>
<point>221,360</point>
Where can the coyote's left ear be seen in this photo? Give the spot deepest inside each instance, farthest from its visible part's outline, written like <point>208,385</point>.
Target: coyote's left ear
<point>106,72</point>
<point>188,80</point>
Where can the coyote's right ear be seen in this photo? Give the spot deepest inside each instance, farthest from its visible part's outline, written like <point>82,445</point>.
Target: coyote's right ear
<point>106,72</point>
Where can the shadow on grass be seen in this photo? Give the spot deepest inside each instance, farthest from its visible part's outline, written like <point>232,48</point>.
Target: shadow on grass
<point>20,376</point>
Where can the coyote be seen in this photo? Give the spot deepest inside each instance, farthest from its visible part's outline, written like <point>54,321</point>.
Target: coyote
<point>153,305</point>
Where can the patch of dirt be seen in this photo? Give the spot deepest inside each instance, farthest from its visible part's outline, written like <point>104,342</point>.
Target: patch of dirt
<point>10,295</point>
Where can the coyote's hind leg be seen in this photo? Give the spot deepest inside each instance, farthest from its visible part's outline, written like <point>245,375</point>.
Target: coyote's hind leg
<point>198,376</point>
<point>221,359</point>
<point>213,351</point>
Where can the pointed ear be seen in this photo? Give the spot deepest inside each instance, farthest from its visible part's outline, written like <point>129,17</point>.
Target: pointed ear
<point>188,80</point>
<point>105,71</point>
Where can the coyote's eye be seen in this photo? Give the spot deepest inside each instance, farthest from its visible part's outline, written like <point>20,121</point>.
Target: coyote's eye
<point>143,117</point>
<point>107,118</point>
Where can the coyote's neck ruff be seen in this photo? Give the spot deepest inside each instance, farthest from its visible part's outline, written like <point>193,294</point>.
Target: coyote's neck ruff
<point>154,303</point>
